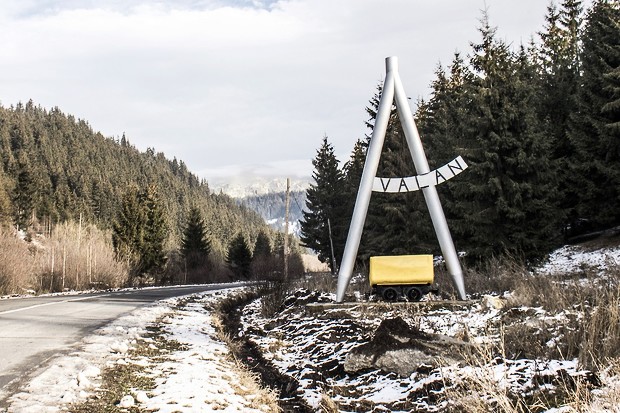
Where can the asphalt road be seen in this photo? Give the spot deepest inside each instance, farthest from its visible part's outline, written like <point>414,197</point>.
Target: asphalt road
<point>32,330</point>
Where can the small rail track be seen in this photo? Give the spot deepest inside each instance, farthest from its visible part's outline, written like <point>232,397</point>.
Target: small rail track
<point>385,304</point>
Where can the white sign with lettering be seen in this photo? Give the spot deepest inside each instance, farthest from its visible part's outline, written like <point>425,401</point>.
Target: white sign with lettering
<point>414,183</point>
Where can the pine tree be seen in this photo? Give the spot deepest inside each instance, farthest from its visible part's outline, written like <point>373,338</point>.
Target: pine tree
<point>128,230</point>
<point>595,127</point>
<point>506,198</point>
<point>239,257</point>
<point>325,204</point>
<point>559,62</point>
<point>195,246</point>
<point>262,247</point>
<point>153,257</point>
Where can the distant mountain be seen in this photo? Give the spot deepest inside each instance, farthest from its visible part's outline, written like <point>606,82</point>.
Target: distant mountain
<point>267,197</point>
<point>272,207</point>
<point>238,187</point>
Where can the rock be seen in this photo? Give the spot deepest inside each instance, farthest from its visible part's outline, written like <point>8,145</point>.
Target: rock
<point>399,348</point>
<point>120,347</point>
<point>126,401</point>
<point>142,397</point>
<point>357,360</point>
<point>404,361</point>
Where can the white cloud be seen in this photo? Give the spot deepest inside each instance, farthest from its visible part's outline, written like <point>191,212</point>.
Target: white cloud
<point>220,83</point>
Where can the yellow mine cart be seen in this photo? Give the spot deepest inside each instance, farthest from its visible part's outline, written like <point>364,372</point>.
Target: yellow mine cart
<point>409,276</point>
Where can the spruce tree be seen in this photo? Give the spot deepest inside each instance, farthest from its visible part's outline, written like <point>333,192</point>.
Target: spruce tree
<point>325,208</point>
<point>6,216</point>
<point>24,194</point>
<point>506,198</point>
<point>140,232</point>
<point>153,257</point>
<point>442,122</point>
<point>264,263</point>
<point>294,258</point>
<point>559,65</point>
<point>195,246</point>
<point>128,230</point>
<point>352,171</point>
<point>595,126</point>
<point>262,247</point>
<point>239,257</point>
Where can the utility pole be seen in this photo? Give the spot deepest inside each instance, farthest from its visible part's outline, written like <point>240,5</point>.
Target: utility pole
<point>288,195</point>
<point>331,244</point>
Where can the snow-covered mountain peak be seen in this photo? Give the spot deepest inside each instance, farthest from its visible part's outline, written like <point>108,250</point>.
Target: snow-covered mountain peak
<point>241,187</point>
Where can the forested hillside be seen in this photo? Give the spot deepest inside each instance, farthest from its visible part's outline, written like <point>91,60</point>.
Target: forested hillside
<point>99,202</point>
<point>55,168</point>
<point>538,125</point>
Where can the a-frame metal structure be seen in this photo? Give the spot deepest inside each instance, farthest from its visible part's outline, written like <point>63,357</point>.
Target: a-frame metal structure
<point>394,93</point>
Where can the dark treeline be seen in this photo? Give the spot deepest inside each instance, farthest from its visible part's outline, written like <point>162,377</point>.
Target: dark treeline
<point>538,125</point>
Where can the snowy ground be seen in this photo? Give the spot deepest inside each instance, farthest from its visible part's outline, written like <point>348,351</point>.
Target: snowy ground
<point>197,374</point>
<point>312,350</point>
<point>571,258</point>
<point>311,346</point>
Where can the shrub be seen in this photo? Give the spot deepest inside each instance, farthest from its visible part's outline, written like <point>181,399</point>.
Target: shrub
<point>80,257</point>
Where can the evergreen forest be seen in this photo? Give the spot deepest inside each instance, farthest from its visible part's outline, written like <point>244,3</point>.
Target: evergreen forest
<point>539,126</point>
<point>96,211</point>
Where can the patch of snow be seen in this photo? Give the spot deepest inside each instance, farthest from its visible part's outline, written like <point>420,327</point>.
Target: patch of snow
<point>571,259</point>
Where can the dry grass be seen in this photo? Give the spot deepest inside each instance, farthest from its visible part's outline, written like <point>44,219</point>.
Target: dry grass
<point>589,306</point>
<point>249,382</point>
<point>80,257</point>
<point>17,264</point>
<point>598,335</point>
<point>482,390</point>
<point>74,256</point>
<point>249,385</point>
<point>328,405</point>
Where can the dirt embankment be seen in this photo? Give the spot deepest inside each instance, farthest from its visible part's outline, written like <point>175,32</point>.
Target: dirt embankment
<point>246,351</point>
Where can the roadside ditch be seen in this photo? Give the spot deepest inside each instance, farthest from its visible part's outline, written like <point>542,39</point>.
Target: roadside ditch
<point>228,312</point>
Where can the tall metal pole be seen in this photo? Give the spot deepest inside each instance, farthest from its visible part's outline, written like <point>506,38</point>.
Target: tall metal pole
<point>286,209</point>
<point>430,192</point>
<point>331,245</point>
<point>368,175</point>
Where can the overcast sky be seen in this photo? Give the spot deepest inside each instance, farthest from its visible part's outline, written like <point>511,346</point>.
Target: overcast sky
<point>236,86</point>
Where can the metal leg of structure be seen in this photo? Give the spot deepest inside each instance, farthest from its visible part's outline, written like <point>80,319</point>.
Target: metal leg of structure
<point>430,193</point>
<point>373,155</point>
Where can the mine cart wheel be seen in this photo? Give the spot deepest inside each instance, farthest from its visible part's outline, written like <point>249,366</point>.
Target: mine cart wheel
<point>390,294</point>
<point>414,294</point>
